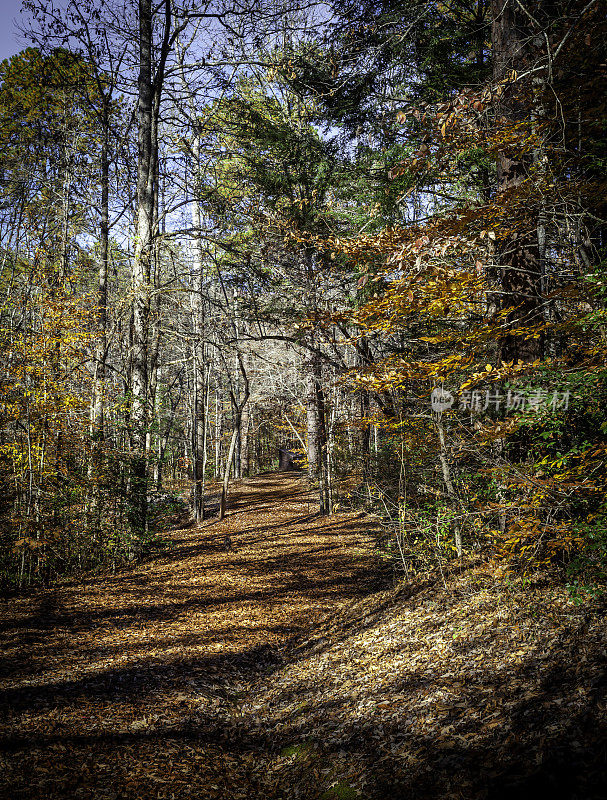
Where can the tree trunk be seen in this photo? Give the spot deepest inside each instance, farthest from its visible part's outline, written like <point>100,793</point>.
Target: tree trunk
<point>518,258</point>
<point>226,475</point>
<point>199,439</point>
<point>144,232</point>
<point>218,430</point>
<point>449,483</point>
<point>244,448</point>
<point>312,421</point>
<point>238,405</point>
<point>97,415</point>
<point>97,399</point>
<point>365,428</point>
<point>198,360</point>
<point>316,429</point>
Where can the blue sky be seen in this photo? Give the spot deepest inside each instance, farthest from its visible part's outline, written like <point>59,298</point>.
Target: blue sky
<point>10,41</point>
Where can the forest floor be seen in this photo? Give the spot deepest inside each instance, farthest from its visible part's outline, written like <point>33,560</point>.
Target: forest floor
<point>286,667</point>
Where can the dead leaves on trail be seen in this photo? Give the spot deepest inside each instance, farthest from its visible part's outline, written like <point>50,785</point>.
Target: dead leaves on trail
<point>280,669</point>
<point>121,685</point>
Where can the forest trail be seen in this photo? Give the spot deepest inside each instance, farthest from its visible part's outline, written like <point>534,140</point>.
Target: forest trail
<point>123,686</point>
<point>282,670</point>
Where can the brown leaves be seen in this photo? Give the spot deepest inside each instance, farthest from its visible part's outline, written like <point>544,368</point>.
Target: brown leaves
<point>451,670</point>
<point>183,678</point>
<point>131,685</point>
<point>29,543</point>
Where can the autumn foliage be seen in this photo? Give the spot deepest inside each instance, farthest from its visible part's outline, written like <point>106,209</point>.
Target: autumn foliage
<point>342,228</point>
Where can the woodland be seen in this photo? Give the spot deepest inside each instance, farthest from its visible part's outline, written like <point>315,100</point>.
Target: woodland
<point>362,239</point>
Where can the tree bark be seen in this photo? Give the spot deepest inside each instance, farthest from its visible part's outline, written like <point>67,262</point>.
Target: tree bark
<point>226,475</point>
<point>364,358</point>
<point>150,87</point>
<point>518,257</point>
<point>312,370</point>
<point>316,429</point>
<point>198,353</point>
<point>238,405</point>
<point>97,410</point>
<point>449,482</point>
<point>244,449</point>
<point>144,231</point>
<point>97,395</point>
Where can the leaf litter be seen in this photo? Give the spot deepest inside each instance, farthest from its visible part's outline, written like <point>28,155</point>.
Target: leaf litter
<point>287,667</point>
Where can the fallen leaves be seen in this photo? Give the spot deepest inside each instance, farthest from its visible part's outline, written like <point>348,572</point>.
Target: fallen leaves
<point>279,670</point>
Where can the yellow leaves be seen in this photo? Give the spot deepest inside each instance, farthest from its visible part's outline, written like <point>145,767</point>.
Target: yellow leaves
<point>506,370</point>
<point>434,339</point>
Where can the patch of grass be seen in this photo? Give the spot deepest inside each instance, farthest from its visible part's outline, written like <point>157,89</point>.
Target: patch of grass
<point>341,791</point>
<point>298,750</point>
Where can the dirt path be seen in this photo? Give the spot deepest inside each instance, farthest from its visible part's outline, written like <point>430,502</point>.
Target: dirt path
<point>276,671</point>
<point>129,686</point>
